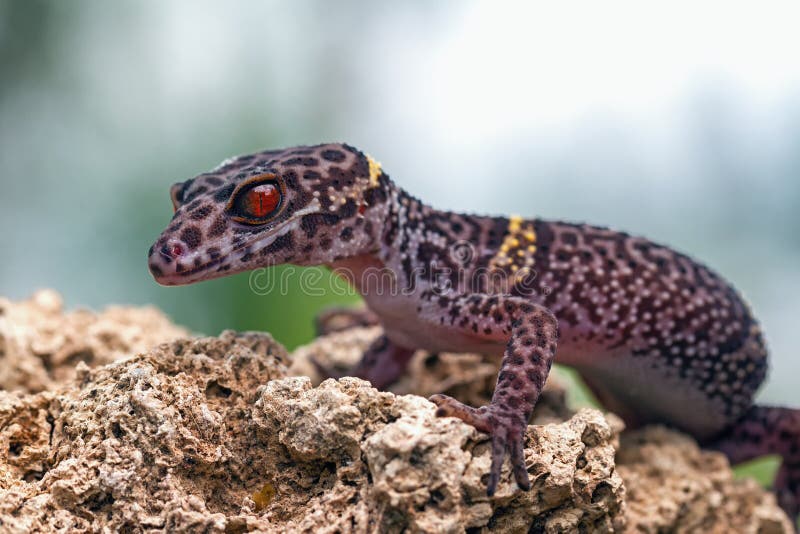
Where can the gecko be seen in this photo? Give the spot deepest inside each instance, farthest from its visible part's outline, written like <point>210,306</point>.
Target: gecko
<point>657,336</point>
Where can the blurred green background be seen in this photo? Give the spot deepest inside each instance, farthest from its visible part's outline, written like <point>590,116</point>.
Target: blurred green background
<point>681,122</point>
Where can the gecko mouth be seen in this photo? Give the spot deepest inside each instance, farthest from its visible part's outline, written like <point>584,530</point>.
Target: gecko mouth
<point>172,272</point>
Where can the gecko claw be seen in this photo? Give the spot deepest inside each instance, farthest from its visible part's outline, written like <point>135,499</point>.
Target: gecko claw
<point>507,432</point>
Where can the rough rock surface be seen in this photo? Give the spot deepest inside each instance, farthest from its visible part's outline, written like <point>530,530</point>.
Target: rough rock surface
<point>183,438</point>
<point>672,485</point>
<point>212,435</point>
<point>40,345</point>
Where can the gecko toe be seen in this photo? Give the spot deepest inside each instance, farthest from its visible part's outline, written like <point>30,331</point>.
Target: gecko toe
<point>498,455</point>
<point>450,407</point>
<point>518,464</point>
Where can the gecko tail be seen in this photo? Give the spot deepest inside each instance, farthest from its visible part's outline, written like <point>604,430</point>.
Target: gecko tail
<point>764,430</point>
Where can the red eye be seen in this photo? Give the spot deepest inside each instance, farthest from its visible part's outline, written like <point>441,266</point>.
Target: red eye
<point>255,202</point>
<point>262,200</point>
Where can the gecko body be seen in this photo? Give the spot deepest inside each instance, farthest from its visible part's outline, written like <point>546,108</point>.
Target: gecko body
<point>657,336</point>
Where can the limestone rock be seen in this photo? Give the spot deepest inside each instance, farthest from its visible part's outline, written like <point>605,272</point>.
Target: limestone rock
<point>675,486</point>
<point>40,345</point>
<point>215,435</point>
<point>210,434</point>
<point>399,467</point>
<point>152,441</point>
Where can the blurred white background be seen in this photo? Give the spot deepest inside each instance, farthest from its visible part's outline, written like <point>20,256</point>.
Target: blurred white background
<point>679,121</point>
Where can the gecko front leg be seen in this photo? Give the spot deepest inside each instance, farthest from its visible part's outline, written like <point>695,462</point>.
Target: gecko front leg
<point>532,334</point>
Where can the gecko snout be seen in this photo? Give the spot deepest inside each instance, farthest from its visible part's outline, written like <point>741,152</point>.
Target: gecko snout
<point>164,260</point>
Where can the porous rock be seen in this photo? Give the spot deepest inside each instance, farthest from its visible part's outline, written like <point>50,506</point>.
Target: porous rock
<point>674,486</point>
<point>214,435</point>
<point>41,345</point>
<point>209,434</point>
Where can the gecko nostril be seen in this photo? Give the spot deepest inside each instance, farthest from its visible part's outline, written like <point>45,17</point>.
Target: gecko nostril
<point>171,250</point>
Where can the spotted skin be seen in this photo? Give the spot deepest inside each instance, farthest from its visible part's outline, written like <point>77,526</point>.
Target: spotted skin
<point>656,335</point>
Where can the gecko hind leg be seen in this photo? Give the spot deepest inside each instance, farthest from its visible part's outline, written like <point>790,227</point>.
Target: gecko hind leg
<point>766,430</point>
<point>382,364</point>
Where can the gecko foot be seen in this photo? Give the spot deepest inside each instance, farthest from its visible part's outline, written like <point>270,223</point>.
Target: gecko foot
<point>506,429</point>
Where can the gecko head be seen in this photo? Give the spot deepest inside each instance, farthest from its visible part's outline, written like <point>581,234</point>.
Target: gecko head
<point>302,205</point>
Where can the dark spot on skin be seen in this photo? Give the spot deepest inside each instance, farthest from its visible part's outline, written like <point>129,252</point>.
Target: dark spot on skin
<point>175,226</point>
<point>375,195</point>
<point>348,209</point>
<point>194,205</point>
<point>346,234</point>
<point>569,238</point>
<point>325,242</point>
<point>280,243</point>
<point>192,237</point>
<point>311,223</point>
<point>213,253</point>
<point>311,175</point>
<point>197,192</point>
<point>223,194</point>
<point>202,212</point>
<point>217,227</point>
<point>304,161</point>
<point>215,181</point>
<point>341,177</point>
<point>333,155</point>
<point>156,270</point>
<point>290,180</point>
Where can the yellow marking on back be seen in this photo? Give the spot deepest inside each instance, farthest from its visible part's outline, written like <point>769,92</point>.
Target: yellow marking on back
<point>518,247</point>
<point>374,171</point>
